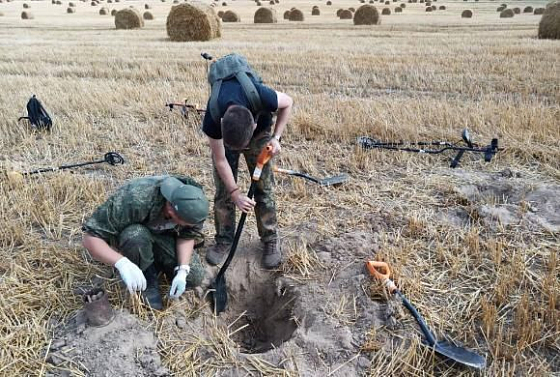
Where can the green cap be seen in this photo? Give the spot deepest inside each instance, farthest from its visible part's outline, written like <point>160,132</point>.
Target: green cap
<point>188,201</point>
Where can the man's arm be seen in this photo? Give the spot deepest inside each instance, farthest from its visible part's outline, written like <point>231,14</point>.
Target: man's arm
<point>224,171</point>
<point>184,250</point>
<point>285,104</point>
<point>100,250</point>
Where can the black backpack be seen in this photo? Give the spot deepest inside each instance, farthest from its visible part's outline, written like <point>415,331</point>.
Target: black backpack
<point>37,115</point>
<point>226,68</point>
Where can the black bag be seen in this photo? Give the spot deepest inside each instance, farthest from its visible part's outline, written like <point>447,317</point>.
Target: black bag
<point>229,67</point>
<point>37,115</point>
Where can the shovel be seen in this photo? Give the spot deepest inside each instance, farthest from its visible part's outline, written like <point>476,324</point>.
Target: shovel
<point>218,288</point>
<point>330,181</point>
<point>446,349</point>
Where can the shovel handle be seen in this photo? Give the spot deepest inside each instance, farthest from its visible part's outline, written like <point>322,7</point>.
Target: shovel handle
<point>379,270</point>
<point>264,156</point>
<point>382,271</point>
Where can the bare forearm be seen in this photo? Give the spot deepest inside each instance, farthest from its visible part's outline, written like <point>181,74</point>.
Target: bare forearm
<point>184,251</point>
<point>225,173</point>
<point>285,104</point>
<point>281,121</point>
<point>100,250</point>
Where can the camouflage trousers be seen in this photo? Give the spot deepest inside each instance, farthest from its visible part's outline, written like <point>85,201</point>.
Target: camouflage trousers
<point>144,248</point>
<point>265,209</point>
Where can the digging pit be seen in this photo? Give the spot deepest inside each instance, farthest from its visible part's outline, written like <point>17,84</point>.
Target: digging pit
<point>261,312</point>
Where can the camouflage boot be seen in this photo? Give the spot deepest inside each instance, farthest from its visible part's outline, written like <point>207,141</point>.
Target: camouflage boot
<point>272,256</point>
<point>217,253</point>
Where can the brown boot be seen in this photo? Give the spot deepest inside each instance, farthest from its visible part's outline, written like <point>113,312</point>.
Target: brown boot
<point>217,253</point>
<point>272,255</point>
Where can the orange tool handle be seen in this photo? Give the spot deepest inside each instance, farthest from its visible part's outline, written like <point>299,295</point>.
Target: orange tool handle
<point>378,269</point>
<point>382,272</point>
<point>262,159</point>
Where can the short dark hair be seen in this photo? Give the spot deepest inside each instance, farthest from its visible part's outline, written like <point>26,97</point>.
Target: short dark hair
<point>237,127</point>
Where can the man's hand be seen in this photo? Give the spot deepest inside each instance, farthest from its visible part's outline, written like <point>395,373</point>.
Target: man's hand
<point>179,284</point>
<point>276,148</point>
<point>131,274</point>
<point>242,201</point>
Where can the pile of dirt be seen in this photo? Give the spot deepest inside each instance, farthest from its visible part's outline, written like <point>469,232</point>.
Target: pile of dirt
<point>124,347</point>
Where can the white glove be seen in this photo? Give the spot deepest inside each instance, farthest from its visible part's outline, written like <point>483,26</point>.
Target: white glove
<point>179,284</point>
<point>131,274</point>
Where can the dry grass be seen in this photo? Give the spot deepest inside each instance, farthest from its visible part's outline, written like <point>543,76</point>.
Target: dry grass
<point>495,290</point>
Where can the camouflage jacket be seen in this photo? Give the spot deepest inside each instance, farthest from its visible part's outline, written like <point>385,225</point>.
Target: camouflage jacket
<point>139,201</point>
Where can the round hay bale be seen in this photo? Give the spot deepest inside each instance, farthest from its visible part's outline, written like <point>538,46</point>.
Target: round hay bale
<point>315,7</point>
<point>177,2</point>
<point>224,4</point>
<point>59,2</point>
<point>500,8</point>
<point>26,6</point>
<point>258,3</point>
<point>398,10</point>
<point>277,1</point>
<point>528,10</point>
<point>549,26</point>
<point>128,18</point>
<point>71,4</point>
<point>442,7</point>
<point>367,15</point>
<point>538,11</point>
<point>287,15</point>
<point>403,5</point>
<point>371,1</point>
<point>113,12</point>
<point>329,2</point>
<point>296,15</point>
<point>148,16</point>
<point>26,15</point>
<point>147,6</point>
<point>434,7</point>
<point>265,16</point>
<point>103,11</point>
<point>231,16</point>
<point>338,12</point>
<point>221,13</point>
<point>467,13</point>
<point>346,14</point>
<point>516,10</point>
<point>70,10</point>
<point>351,9</point>
<point>428,9</point>
<point>193,22</point>
<point>93,4</point>
<point>386,12</point>
<point>363,1</point>
<point>387,2</point>
<point>271,2</point>
<point>315,12</point>
<point>507,13</point>
<point>428,4</point>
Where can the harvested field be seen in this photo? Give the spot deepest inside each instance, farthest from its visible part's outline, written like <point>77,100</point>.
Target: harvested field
<point>475,248</point>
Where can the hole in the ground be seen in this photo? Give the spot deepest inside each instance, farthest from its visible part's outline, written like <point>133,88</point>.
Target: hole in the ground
<point>268,320</point>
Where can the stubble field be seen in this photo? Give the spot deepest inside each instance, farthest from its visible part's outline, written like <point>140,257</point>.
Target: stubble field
<point>474,248</point>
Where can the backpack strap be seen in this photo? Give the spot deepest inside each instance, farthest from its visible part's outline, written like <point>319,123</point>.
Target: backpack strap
<point>213,102</point>
<point>251,92</point>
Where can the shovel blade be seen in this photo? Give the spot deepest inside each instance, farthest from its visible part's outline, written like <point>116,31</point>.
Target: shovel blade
<point>459,354</point>
<point>219,294</point>
<point>336,180</point>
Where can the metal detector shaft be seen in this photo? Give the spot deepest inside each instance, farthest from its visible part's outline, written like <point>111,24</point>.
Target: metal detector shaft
<point>111,158</point>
